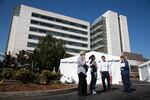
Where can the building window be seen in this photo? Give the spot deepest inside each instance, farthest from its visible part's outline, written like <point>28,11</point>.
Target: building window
<point>34,37</point>
<point>33,29</point>
<point>35,15</point>
<point>34,22</point>
<point>30,44</point>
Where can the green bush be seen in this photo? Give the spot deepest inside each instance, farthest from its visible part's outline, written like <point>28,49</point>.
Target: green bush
<point>37,78</point>
<point>48,76</point>
<point>7,73</point>
<point>45,76</point>
<point>57,76</point>
<point>23,75</point>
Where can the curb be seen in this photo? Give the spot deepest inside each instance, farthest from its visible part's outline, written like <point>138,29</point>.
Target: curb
<point>36,93</point>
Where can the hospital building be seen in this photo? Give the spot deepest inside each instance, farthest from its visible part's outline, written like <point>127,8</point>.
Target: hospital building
<point>107,34</point>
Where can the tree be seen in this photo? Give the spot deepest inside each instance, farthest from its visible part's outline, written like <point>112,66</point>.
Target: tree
<point>59,53</point>
<point>22,58</point>
<point>51,50</point>
<point>34,60</point>
<point>8,61</point>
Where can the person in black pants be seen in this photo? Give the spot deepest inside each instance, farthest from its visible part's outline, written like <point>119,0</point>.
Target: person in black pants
<point>82,85</point>
<point>104,71</point>
<point>93,67</point>
<point>82,70</point>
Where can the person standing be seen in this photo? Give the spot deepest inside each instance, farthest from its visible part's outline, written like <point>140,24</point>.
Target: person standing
<point>124,67</point>
<point>82,70</point>
<point>104,71</point>
<point>93,67</point>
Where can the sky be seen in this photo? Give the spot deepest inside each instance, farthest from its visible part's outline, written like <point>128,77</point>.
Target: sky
<point>136,11</point>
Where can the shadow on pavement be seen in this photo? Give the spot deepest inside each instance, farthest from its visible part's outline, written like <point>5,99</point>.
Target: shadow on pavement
<point>132,90</point>
<point>112,89</point>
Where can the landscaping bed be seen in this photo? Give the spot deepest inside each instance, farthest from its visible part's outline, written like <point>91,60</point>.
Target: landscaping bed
<point>11,87</point>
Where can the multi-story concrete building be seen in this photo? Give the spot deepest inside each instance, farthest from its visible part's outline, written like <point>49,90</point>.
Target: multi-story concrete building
<point>28,24</point>
<point>109,34</point>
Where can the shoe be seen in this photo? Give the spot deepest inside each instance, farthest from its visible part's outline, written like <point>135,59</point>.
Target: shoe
<point>129,91</point>
<point>85,95</point>
<point>124,91</point>
<point>104,90</point>
<point>94,93</point>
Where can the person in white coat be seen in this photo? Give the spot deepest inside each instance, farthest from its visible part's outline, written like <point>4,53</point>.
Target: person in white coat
<point>104,71</point>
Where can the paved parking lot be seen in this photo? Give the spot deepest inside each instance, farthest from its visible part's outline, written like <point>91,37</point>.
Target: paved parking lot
<point>140,91</point>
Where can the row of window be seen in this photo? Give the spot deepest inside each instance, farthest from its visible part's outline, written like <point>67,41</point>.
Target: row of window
<point>100,36</point>
<point>58,20</point>
<point>57,27</point>
<point>97,44</point>
<point>73,50</point>
<point>102,49</point>
<point>33,45</point>
<point>33,29</point>
<point>67,49</point>
<point>75,44</point>
<point>99,23</point>
<point>30,44</point>
<point>98,30</point>
<point>34,37</point>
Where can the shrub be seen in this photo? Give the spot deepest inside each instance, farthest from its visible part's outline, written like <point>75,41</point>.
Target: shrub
<point>56,81</point>
<point>7,73</point>
<point>48,76</point>
<point>45,76</point>
<point>23,75</point>
<point>36,78</point>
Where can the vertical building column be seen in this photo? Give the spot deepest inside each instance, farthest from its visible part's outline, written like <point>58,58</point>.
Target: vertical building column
<point>12,35</point>
<point>124,33</point>
<point>112,31</point>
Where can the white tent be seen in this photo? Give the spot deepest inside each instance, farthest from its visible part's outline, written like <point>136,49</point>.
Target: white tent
<point>144,71</point>
<point>68,68</point>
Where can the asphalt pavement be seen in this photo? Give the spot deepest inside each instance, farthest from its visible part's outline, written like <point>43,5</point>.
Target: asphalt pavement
<point>139,91</point>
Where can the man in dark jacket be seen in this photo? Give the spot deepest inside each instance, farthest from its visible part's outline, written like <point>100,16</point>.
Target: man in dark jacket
<point>124,67</point>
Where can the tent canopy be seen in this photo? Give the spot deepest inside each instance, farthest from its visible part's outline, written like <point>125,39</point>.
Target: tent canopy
<point>144,71</point>
<point>68,68</point>
<point>88,54</point>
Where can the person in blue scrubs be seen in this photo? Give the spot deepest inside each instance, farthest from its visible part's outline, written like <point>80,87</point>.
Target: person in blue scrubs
<point>124,67</point>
